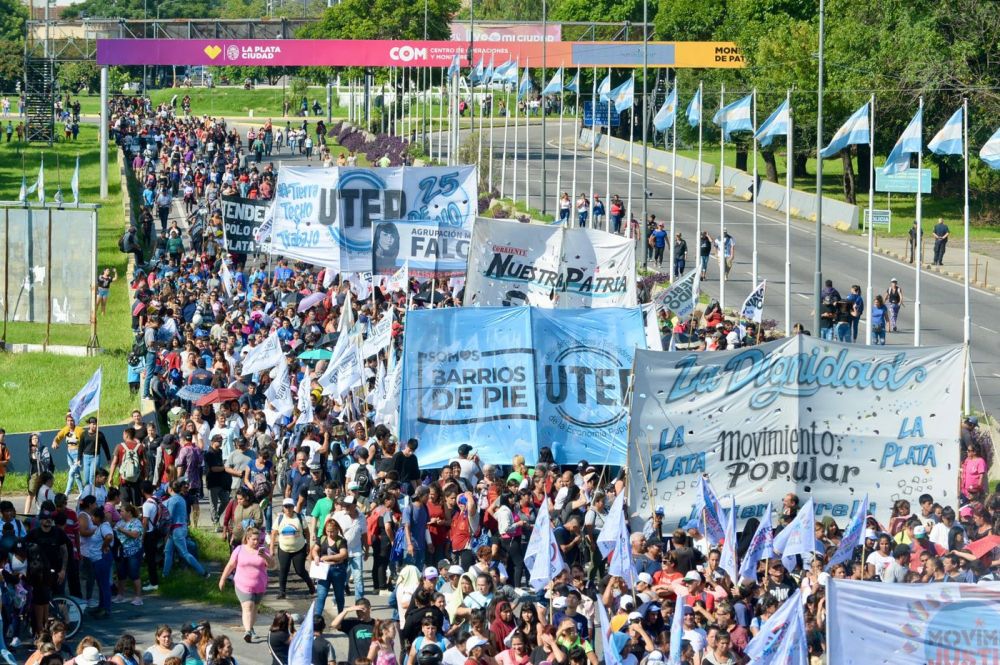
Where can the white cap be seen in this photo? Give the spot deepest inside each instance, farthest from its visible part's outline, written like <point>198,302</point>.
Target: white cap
<point>431,573</point>
<point>645,577</point>
<point>870,534</point>
<point>474,642</point>
<point>692,576</point>
<point>456,570</point>
<point>634,616</point>
<point>289,501</point>
<point>655,656</point>
<point>625,600</point>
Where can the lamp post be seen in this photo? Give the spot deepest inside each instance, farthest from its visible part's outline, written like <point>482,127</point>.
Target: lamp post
<point>818,277</point>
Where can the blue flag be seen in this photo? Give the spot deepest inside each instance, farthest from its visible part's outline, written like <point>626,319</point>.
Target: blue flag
<point>852,537</point>
<point>852,132</point>
<point>910,143</point>
<point>574,84</point>
<point>543,559</point>
<point>761,547</point>
<point>453,68</point>
<point>775,125</point>
<point>727,558</point>
<point>949,141</point>
<point>604,88</point>
<point>488,74</point>
<point>88,399</point>
<point>502,73</point>
<point>614,540</point>
<point>478,72</point>
<point>665,117</point>
<point>990,152</point>
<point>710,514</point>
<point>624,95</point>
<point>735,117</point>
<point>525,86</point>
<point>798,537</point>
<point>554,86</point>
<point>300,649</point>
<point>782,638</point>
<point>694,109</point>
<point>677,631</point>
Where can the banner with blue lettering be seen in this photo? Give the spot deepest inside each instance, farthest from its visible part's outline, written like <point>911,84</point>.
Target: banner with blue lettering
<point>431,249</point>
<point>825,420</point>
<point>508,380</point>
<point>913,624</point>
<point>325,216</point>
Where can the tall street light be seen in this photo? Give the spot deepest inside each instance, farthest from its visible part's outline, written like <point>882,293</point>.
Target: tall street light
<point>818,277</point>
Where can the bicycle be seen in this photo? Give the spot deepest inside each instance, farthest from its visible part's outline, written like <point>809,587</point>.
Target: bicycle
<point>67,611</point>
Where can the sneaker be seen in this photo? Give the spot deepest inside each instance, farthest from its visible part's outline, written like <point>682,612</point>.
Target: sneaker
<point>247,637</point>
<point>93,603</point>
<point>150,587</point>
<point>207,575</point>
<point>15,643</point>
<point>118,599</point>
<point>137,602</point>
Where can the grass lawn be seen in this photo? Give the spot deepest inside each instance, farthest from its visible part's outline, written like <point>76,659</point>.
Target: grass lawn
<point>183,584</point>
<point>35,388</point>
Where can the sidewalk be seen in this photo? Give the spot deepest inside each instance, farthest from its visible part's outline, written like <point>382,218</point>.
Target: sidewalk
<point>984,258</point>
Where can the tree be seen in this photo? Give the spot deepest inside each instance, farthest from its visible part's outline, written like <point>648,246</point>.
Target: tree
<point>76,75</point>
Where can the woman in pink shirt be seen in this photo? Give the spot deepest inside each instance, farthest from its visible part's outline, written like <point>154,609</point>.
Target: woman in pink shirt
<point>973,472</point>
<point>250,562</point>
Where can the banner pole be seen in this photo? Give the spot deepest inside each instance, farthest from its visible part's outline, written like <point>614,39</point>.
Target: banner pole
<point>917,251</point>
<point>562,100</point>
<point>607,184</point>
<point>789,174</point>
<point>517,138</point>
<point>871,219</point>
<point>527,139</point>
<point>479,152</point>
<point>673,189</point>
<point>593,147</point>
<point>722,204</point>
<point>631,163</point>
<point>701,102</point>
<point>503,152</point>
<point>753,189</point>
<point>967,320</point>
<point>576,143</point>
<point>489,166</point>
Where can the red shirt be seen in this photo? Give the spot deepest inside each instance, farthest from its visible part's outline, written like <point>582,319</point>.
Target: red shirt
<point>439,532</point>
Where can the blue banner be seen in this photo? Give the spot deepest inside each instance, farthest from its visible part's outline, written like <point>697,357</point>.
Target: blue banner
<point>507,380</point>
<point>602,115</point>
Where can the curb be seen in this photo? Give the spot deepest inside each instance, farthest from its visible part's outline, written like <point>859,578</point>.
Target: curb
<point>958,277</point>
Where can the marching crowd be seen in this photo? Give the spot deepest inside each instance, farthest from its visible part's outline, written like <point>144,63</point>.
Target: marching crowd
<point>330,494</point>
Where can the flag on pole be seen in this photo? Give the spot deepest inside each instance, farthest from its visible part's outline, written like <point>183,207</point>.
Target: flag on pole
<point>677,630</point>
<point>753,306</point>
<point>554,86</point>
<point>74,182</point>
<point>88,399</point>
<point>23,196</point>
<point>506,73</point>
<point>612,640</point>
<point>526,86</point>
<point>604,88</point>
<point>477,73</point>
<point>727,558</point>
<point>574,84</point>
<point>304,396</point>
<point>40,183</point>
<point>694,109</point>
<point>782,638</point>
<point>227,279</point>
<point>682,296</point>
<point>852,132</point>
<point>543,559</point>
<point>300,649</point>
<point>488,74</point>
<point>346,321</point>
<point>613,539</point>
<point>910,143</point>
<point>761,547</point>
<point>265,355</point>
<point>990,152</point>
<point>710,513</point>
<point>948,141</point>
<point>799,536</point>
<point>735,117</point>
<point>775,125</point>
<point>665,117</point>
<point>852,536</point>
<point>453,68</point>
<point>279,392</point>
<point>624,95</point>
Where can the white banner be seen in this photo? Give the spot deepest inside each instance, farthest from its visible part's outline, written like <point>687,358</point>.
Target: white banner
<point>753,306</point>
<point>279,393</point>
<point>682,296</point>
<point>826,420</point>
<point>378,337</point>
<point>324,216</point>
<point>265,355</point>
<point>913,624</point>
<point>514,264</point>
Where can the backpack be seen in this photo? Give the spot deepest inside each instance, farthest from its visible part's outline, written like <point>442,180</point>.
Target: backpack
<point>138,352</point>
<point>363,478</point>
<point>261,485</point>
<point>373,524</point>
<point>131,468</point>
<point>122,243</point>
<point>161,519</point>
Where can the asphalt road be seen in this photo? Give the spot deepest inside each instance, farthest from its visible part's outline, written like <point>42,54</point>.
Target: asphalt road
<point>844,255</point>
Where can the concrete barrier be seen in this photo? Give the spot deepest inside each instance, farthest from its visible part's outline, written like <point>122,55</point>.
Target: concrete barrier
<point>771,195</point>
<point>658,160</point>
<point>840,215</point>
<point>739,182</point>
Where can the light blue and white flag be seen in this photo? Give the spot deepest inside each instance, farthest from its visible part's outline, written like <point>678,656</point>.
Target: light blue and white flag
<point>500,73</point>
<point>852,537</point>
<point>948,141</point>
<point>990,152</point>
<point>300,649</point>
<point>40,183</point>
<point>74,182</point>
<point>88,399</point>
<point>453,68</point>
<point>677,631</point>
<point>488,74</point>
<point>604,88</point>
<point>753,306</point>
<point>761,547</point>
<point>776,125</point>
<point>854,131</point>
<point>23,196</point>
<point>543,559</point>
<point>612,654</point>
<point>782,638</point>
<point>554,86</point>
<point>665,117</point>
<point>909,143</point>
<point>624,95</point>
<point>735,117</point>
<point>478,72</point>
<point>798,537</point>
<point>710,514</point>
<point>727,558</point>
<point>613,539</point>
<point>526,85</point>
<point>694,109</point>
<point>574,84</point>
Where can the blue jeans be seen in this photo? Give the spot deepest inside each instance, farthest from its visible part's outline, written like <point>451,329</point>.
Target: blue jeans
<point>89,468</point>
<point>102,574</point>
<point>150,365</point>
<point>357,564</point>
<point>844,332</point>
<point>878,334</point>
<point>178,542</point>
<point>417,559</point>
<point>826,333</point>
<point>73,462</point>
<point>337,580</point>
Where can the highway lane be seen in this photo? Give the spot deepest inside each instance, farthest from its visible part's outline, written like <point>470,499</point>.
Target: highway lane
<point>844,256</point>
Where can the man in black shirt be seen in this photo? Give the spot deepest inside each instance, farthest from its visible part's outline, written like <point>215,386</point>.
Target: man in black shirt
<point>216,480</point>
<point>687,557</point>
<point>48,556</point>
<point>405,464</point>
<point>941,233</point>
<point>569,537</point>
<point>358,630</point>
<point>322,650</point>
<point>828,313</point>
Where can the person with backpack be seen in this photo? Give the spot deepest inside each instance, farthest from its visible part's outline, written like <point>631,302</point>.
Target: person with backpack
<point>258,477</point>
<point>290,544</point>
<point>130,462</point>
<point>361,474</point>
<point>190,463</point>
<point>129,244</point>
<point>155,525</point>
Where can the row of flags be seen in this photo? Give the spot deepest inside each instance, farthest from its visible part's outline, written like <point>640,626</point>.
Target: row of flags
<point>39,186</point>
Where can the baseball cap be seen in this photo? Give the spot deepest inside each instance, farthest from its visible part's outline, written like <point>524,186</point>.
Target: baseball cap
<point>431,573</point>
<point>288,502</point>
<point>634,616</point>
<point>456,570</point>
<point>645,577</point>
<point>626,601</point>
<point>870,534</point>
<point>972,420</point>
<point>692,576</point>
<point>893,280</point>
<point>660,510</point>
<point>919,531</point>
<point>655,656</point>
<point>474,642</point>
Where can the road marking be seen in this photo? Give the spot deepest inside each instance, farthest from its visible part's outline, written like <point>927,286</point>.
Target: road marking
<point>989,330</point>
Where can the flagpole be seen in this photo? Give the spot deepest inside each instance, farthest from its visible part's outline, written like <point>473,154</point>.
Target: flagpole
<point>517,114</point>
<point>527,139</point>
<point>722,202</point>
<point>503,152</point>
<point>701,102</point>
<point>479,153</point>
<point>562,100</point>
<point>967,321</point>
<point>871,218</point>
<point>489,167</point>
<point>451,122</point>
<point>920,163</point>
<point>673,186</point>
<point>593,145</point>
<point>753,190</point>
<point>789,172</point>
<point>607,188</point>
<point>631,143</point>
<point>441,139</point>
<point>576,143</point>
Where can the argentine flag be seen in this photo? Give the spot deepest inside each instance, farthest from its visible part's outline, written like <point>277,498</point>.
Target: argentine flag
<point>624,95</point>
<point>453,68</point>
<point>911,142</point>
<point>694,109</point>
<point>554,86</point>
<point>852,132</point>
<point>948,141</point>
<point>990,152</point>
<point>604,88</point>
<point>734,117</point>
<point>775,125</point>
<point>664,118</point>
<point>525,86</point>
<point>574,85</point>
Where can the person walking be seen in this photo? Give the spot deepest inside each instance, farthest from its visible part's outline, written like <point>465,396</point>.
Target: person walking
<point>177,545</point>
<point>249,561</point>
<point>659,240</point>
<point>289,543</point>
<point>680,255</point>
<point>330,550</point>
<point>941,233</point>
<point>564,205</point>
<point>877,320</point>
<point>894,299</point>
<point>704,252</point>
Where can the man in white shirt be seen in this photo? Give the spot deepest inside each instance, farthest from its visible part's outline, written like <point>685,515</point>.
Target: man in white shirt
<point>352,475</point>
<point>470,469</point>
<point>352,524</point>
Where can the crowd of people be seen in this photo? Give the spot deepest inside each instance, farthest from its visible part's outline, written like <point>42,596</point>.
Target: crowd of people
<point>329,493</point>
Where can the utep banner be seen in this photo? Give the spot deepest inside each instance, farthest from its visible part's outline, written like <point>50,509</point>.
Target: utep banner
<point>433,249</point>
<point>241,219</point>
<point>827,420</point>
<point>549,266</point>
<point>507,380</point>
<point>913,624</point>
<point>325,216</point>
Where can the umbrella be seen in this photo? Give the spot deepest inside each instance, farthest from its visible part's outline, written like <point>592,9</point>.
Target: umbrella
<point>311,300</point>
<point>316,354</point>
<point>193,392</point>
<point>219,395</point>
<point>983,546</point>
<point>328,339</point>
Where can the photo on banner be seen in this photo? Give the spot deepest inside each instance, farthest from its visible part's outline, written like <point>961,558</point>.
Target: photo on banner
<point>325,215</point>
<point>825,420</point>
<point>241,222</point>
<point>548,266</point>
<point>508,380</point>
<point>430,249</point>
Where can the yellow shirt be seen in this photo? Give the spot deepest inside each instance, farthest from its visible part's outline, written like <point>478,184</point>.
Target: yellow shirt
<point>291,538</point>
<point>64,432</point>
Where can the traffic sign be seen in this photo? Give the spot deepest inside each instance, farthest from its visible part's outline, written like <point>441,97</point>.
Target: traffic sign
<point>879,218</point>
<point>904,182</point>
<point>602,115</point>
